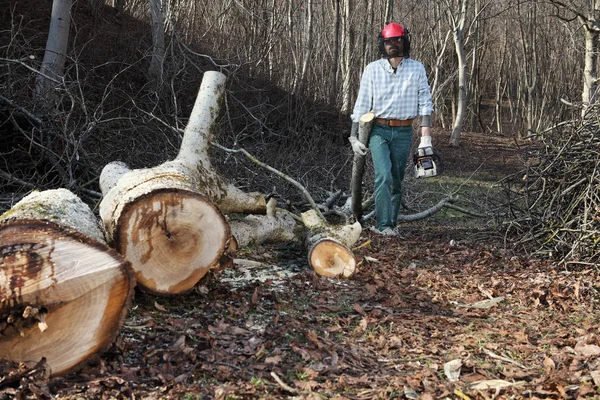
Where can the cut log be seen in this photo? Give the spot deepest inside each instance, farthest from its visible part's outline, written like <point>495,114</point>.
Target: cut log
<point>171,234</point>
<point>253,230</point>
<point>329,252</point>
<point>358,165</point>
<point>332,259</point>
<point>168,220</point>
<point>63,292</point>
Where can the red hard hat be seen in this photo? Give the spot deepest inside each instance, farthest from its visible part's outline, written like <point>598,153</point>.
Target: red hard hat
<point>393,30</point>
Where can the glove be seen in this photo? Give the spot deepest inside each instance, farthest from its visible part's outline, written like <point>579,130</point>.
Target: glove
<point>424,159</point>
<point>358,148</point>
<point>425,148</point>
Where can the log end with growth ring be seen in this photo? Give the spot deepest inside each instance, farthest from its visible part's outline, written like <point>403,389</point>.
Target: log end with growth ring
<point>172,237</point>
<point>63,296</point>
<point>330,258</point>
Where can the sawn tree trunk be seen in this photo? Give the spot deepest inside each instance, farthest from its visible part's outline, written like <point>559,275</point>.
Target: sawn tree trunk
<point>329,246</point>
<point>168,220</point>
<point>63,292</point>
<point>253,230</point>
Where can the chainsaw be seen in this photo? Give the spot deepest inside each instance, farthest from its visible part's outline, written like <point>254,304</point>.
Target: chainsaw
<point>428,162</point>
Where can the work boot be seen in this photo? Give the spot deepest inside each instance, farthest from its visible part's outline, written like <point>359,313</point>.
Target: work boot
<point>384,232</point>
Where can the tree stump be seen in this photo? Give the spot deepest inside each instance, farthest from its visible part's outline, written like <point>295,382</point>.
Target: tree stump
<point>63,292</point>
<point>168,220</point>
<point>329,252</point>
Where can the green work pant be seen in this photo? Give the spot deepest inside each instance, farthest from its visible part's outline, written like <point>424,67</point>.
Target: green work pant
<point>389,147</point>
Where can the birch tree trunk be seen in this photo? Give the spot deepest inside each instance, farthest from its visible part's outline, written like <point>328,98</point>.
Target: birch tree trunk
<point>368,40</point>
<point>590,71</point>
<point>348,39</point>
<point>53,64</point>
<point>586,13</point>
<point>500,84</point>
<point>473,87</point>
<point>462,96</point>
<point>307,46</point>
<point>389,11</point>
<point>63,292</point>
<point>336,53</point>
<point>528,70</point>
<point>155,71</point>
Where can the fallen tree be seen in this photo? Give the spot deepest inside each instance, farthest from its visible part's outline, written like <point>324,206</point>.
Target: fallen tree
<point>328,245</point>
<point>168,220</point>
<point>256,229</point>
<point>63,292</point>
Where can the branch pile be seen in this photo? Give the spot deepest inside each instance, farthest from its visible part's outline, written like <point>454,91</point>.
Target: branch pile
<point>558,198</point>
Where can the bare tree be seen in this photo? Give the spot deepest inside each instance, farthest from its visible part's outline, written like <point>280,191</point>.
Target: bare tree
<point>308,40</point>
<point>529,65</point>
<point>318,49</point>
<point>500,81</point>
<point>457,15</point>
<point>347,42</point>
<point>335,52</point>
<point>52,70</point>
<point>587,12</point>
<point>389,10</point>
<point>155,71</point>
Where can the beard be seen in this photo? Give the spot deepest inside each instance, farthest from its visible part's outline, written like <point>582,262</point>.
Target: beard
<point>394,51</point>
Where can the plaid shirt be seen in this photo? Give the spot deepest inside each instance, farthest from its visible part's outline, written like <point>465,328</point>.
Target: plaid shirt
<point>401,95</point>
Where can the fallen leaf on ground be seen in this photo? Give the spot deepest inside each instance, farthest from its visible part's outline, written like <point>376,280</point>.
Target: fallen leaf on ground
<point>493,384</point>
<point>489,303</point>
<point>596,377</point>
<point>587,350</point>
<point>452,369</point>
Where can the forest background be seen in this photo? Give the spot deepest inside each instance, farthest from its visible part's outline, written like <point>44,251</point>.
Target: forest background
<point>522,73</point>
<point>508,67</point>
<point>505,68</point>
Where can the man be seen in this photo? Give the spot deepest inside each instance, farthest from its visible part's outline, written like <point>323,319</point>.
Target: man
<point>396,90</point>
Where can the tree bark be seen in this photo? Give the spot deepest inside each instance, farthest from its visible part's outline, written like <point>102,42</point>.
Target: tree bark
<point>168,220</point>
<point>335,48</point>
<point>358,165</point>
<point>253,230</point>
<point>63,292</point>
<point>170,232</point>
<point>193,154</point>
<point>463,96</point>
<point>56,51</point>
<point>155,70</point>
<point>329,247</point>
<point>590,72</point>
<point>347,47</point>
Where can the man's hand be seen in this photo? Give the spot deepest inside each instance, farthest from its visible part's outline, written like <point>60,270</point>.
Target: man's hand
<point>358,148</point>
<point>425,147</point>
<point>425,142</point>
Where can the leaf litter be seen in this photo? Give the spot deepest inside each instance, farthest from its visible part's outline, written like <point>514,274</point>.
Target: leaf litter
<point>420,319</point>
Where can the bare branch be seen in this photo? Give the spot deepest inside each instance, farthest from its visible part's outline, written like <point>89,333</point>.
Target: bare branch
<point>285,177</point>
